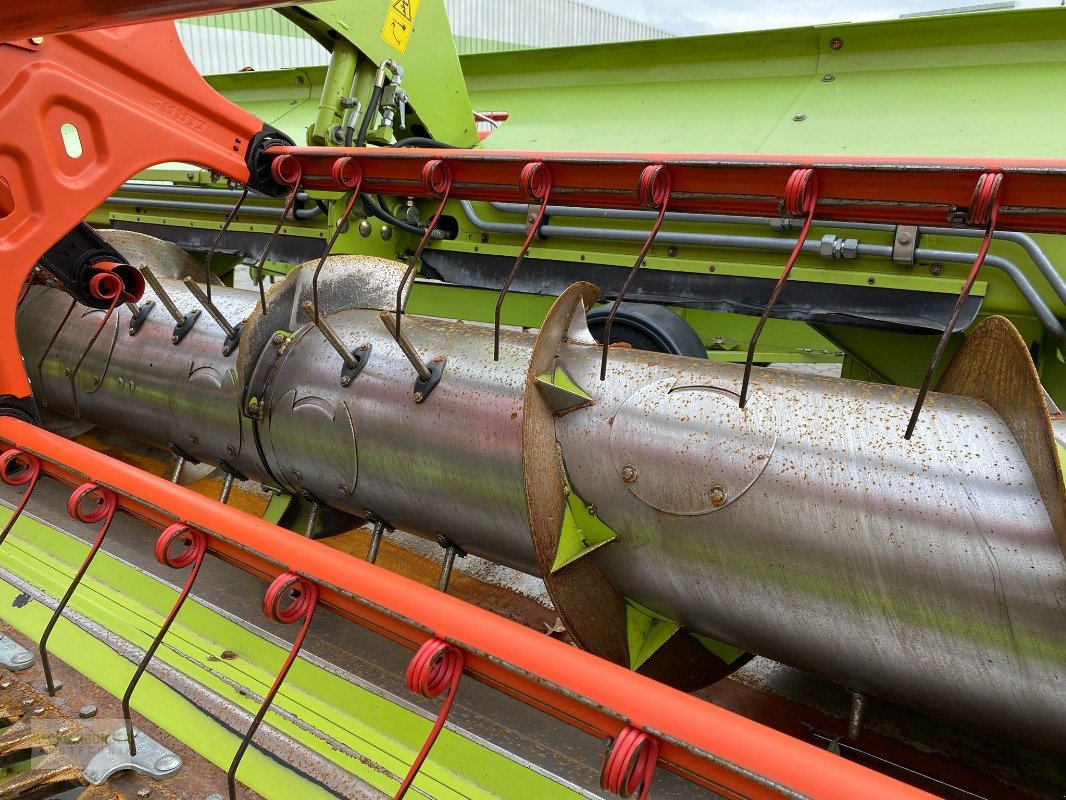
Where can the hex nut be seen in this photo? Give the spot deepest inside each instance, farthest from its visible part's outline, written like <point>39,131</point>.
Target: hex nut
<point>87,712</point>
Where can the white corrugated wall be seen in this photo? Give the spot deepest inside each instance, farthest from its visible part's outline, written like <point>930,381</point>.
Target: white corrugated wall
<point>263,39</point>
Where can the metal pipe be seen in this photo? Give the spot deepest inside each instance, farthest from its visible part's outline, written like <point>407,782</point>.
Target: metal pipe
<point>806,531</point>
<point>188,205</point>
<point>1024,240</point>
<point>774,244</point>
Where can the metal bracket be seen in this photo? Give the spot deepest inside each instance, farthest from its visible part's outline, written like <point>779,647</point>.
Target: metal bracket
<point>152,759</point>
<point>144,310</point>
<point>904,243</point>
<point>424,387</point>
<point>233,339</point>
<point>182,330</point>
<point>14,656</point>
<point>361,355</point>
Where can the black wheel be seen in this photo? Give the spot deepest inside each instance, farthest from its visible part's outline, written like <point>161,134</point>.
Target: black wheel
<point>648,327</point>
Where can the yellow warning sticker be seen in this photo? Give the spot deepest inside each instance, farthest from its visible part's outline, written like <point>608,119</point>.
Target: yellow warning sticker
<point>399,23</point>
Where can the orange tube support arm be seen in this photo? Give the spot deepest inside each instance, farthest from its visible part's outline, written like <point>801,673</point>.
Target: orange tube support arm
<point>705,743</point>
<point>79,114</point>
<point>42,17</point>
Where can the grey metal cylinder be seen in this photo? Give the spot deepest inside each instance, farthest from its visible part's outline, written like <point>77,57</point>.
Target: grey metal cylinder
<point>803,528</point>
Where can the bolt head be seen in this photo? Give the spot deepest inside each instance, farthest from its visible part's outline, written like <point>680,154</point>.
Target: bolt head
<point>365,229</point>
<point>167,763</point>
<point>37,40</point>
<point>438,359</point>
<point>145,792</point>
<point>344,491</point>
<point>174,339</point>
<point>227,350</point>
<point>419,397</point>
<point>386,233</point>
<point>799,117</point>
<point>828,78</point>
<point>231,450</point>
<point>38,711</point>
<point>87,712</point>
<point>591,509</point>
<point>629,473</point>
<point>66,372</point>
<point>904,238</point>
<point>346,380</point>
<point>718,496</point>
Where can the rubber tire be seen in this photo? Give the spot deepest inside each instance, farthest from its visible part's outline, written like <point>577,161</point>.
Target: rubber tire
<point>648,327</point>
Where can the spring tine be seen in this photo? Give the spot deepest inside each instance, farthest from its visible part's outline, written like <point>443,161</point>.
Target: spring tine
<point>536,184</point>
<point>436,178</point>
<point>287,171</point>
<point>105,286</point>
<point>29,475</point>
<point>436,667</point>
<point>218,239</point>
<point>302,607</point>
<point>984,210</point>
<point>801,197</point>
<point>104,511</point>
<point>348,173</point>
<point>653,191</point>
<point>193,554</point>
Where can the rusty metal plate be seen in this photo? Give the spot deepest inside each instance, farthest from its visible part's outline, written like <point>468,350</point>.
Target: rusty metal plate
<point>733,445</point>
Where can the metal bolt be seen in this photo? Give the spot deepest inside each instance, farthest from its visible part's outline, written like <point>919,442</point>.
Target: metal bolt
<point>836,43</point>
<point>365,228</point>
<point>904,238</point>
<point>364,347</point>
<point>63,730</point>
<point>438,359</point>
<point>121,383</point>
<point>419,397</point>
<point>227,350</point>
<point>296,476</point>
<point>231,450</point>
<point>671,251</point>
<point>193,439</point>
<point>484,238</point>
<point>936,269</point>
<point>629,473</point>
<point>386,233</point>
<point>828,78</point>
<point>344,491</point>
<point>228,655</point>
<point>38,40</point>
<point>87,712</point>
<point>167,763</point>
<point>132,387</point>
<point>174,339</point>
<point>591,509</point>
<point>346,380</point>
<point>22,658</point>
<point>66,372</point>
<point>146,792</point>
<point>799,117</point>
<point>717,496</point>
<point>189,175</point>
<point>38,711</point>
<point>278,339</point>
<point>871,281</point>
<point>27,702</point>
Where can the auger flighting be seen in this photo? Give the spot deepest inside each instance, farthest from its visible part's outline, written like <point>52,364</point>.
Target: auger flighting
<point>802,527</point>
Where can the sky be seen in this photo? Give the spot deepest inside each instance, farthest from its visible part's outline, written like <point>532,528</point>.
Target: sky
<point>691,17</point>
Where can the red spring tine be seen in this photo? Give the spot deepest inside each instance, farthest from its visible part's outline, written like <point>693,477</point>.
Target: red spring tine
<point>653,192</point>
<point>347,172</point>
<point>288,599</point>
<point>630,763</point>
<point>436,179</point>
<point>536,185</point>
<point>103,286</point>
<point>287,171</point>
<point>984,210</point>
<point>218,238</point>
<point>436,667</point>
<point>104,509</point>
<point>801,198</point>
<point>18,469</point>
<point>177,547</point>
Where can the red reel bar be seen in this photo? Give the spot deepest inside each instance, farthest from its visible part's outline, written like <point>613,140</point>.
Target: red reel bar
<point>702,742</point>
<point>906,191</point>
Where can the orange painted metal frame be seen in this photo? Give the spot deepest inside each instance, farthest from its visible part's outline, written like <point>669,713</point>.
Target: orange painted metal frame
<point>706,744</point>
<point>43,17</point>
<point>135,100</point>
